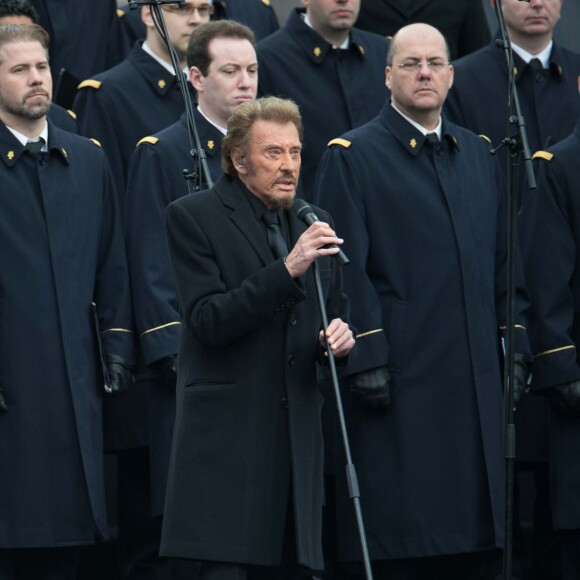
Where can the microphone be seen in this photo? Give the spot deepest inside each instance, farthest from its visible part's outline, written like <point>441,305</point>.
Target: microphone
<point>305,213</point>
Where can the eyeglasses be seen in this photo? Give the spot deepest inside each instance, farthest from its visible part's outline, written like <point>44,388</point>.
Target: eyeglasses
<point>204,10</point>
<point>435,64</point>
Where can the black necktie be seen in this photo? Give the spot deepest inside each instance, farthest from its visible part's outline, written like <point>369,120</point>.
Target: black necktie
<point>35,146</point>
<point>275,238</point>
<point>432,139</point>
<point>537,68</point>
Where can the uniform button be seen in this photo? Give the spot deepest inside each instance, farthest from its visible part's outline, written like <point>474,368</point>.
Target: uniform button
<point>284,402</point>
<point>439,151</point>
<point>293,321</point>
<point>539,77</point>
<point>291,360</point>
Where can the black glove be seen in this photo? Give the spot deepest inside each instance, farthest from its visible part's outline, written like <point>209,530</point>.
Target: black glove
<point>120,375</point>
<point>372,387</point>
<point>3,405</point>
<point>521,374</point>
<point>565,398</point>
<point>166,367</point>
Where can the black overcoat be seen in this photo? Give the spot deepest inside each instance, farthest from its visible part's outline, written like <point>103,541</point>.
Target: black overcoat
<point>425,232</point>
<point>62,248</point>
<point>248,407</point>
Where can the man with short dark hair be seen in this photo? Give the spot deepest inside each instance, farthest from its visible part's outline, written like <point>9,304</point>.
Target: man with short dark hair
<point>245,485</point>
<point>62,250</point>
<point>420,204</point>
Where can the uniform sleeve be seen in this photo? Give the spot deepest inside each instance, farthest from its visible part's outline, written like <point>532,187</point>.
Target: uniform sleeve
<point>216,314</point>
<point>547,229</point>
<point>112,291</point>
<point>338,191</point>
<point>155,304</point>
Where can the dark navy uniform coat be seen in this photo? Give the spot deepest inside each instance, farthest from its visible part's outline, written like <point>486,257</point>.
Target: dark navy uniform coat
<point>248,406</point>
<point>336,90</point>
<point>62,248</point>
<point>462,22</point>
<point>119,107</point>
<point>550,237</point>
<point>424,231</point>
<point>86,37</point>
<point>548,97</point>
<point>155,180</point>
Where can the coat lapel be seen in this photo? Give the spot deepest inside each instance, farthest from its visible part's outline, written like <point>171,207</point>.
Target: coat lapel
<point>233,197</point>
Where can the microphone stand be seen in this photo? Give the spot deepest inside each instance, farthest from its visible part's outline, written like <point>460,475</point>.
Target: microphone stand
<point>197,177</point>
<point>517,144</point>
<point>351,477</point>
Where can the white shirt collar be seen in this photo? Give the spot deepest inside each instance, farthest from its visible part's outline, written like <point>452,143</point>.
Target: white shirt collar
<point>420,128</point>
<point>166,65</point>
<point>24,139</point>
<point>220,129</point>
<point>308,23</point>
<point>543,57</point>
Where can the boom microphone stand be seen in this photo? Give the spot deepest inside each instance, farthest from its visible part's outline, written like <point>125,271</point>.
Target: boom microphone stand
<point>351,478</point>
<point>197,177</point>
<point>517,144</point>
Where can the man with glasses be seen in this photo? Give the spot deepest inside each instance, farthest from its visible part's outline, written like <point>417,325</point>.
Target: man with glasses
<point>140,95</point>
<point>419,203</point>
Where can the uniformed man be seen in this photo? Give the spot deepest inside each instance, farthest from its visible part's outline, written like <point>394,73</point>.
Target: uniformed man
<point>545,76</point>
<point>223,71</point>
<point>550,226</point>
<point>62,249</point>
<point>330,69</point>
<point>419,203</point>
<point>139,96</point>
<point>22,12</point>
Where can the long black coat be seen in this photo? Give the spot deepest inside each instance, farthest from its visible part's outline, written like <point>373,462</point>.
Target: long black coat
<point>462,22</point>
<point>425,233</point>
<point>62,248</point>
<point>550,236</point>
<point>248,409</point>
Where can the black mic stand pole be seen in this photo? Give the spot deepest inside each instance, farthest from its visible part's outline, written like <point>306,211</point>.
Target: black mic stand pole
<point>196,178</point>
<point>516,144</point>
<point>351,478</point>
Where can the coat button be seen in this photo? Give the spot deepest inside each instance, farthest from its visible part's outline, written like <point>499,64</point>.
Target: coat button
<point>284,402</point>
<point>293,321</point>
<point>291,360</point>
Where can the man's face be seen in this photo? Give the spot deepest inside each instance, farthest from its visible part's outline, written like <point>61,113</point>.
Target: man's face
<point>533,18</point>
<point>332,15</point>
<point>232,78</point>
<point>180,21</point>
<point>417,91</point>
<point>25,81</point>
<point>271,164</point>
